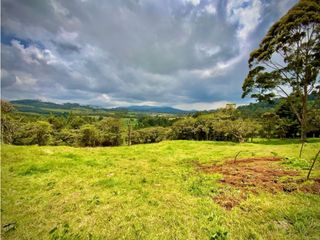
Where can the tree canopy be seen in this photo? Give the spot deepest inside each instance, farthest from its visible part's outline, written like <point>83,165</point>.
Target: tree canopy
<point>287,62</point>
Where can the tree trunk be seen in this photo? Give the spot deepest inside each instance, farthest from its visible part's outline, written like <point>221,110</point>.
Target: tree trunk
<point>304,115</point>
<point>129,134</point>
<point>235,158</point>
<point>301,148</point>
<point>314,160</point>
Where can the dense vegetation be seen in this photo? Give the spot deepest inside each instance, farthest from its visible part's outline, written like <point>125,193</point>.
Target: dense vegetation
<point>228,124</point>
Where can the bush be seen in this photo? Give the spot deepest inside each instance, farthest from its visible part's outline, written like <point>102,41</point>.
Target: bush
<point>184,129</point>
<point>150,135</point>
<point>67,137</point>
<point>88,136</point>
<point>110,131</point>
<point>43,132</point>
<point>33,133</point>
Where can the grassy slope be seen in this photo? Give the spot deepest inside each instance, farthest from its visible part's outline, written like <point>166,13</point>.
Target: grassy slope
<point>145,192</point>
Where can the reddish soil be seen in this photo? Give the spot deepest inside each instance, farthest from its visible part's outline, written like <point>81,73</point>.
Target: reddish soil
<point>257,174</point>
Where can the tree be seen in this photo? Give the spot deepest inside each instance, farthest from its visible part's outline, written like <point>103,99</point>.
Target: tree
<point>287,62</point>
<point>8,124</point>
<point>184,129</point>
<point>315,122</point>
<point>150,135</point>
<point>89,136</point>
<point>67,137</point>
<point>43,132</point>
<point>110,131</point>
<point>75,122</point>
<point>238,130</point>
<point>29,133</point>
<point>6,107</point>
<point>57,122</point>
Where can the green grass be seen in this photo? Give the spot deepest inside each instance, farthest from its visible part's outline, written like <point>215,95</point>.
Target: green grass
<point>147,192</point>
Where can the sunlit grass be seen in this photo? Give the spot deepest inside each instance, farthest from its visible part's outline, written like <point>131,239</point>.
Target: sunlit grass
<point>147,192</point>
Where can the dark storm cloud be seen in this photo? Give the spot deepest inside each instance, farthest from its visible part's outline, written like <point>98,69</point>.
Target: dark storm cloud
<point>187,53</point>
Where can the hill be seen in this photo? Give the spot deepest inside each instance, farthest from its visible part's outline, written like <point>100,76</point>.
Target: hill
<point>256,109</point>
<point>152,109</point>
<point>42,107</point>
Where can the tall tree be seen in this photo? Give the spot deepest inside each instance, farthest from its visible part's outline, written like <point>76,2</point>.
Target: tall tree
<point>287,62</point>
<point>8,125</point>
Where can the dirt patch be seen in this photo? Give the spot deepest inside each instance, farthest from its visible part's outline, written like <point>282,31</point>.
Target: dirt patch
<point>229,201</point>
<point>252,175</point>
<point>312,188</point>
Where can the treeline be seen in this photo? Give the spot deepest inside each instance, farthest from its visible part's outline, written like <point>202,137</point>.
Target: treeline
<point>221,125</point>
<point>77,130</point>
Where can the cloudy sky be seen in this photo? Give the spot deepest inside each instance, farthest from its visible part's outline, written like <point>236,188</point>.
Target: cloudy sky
<point>190,54</point>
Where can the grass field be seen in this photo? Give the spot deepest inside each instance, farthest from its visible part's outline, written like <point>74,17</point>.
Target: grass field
<point>150,191</point>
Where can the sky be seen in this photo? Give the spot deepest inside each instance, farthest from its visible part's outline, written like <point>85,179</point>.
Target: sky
<point>188,54</point>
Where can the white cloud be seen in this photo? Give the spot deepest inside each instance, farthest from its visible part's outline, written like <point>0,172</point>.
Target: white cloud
<point>25,81</point>
<point>211,9</point>
<point>193,2</point>
<point>58,8</point>
<point>206,51</point>
<point>110,102</point>
<point>201,105</point>
<point>32,54</point>
<point>219,69</point>
<point>247,14</point>
<point>64,35</point>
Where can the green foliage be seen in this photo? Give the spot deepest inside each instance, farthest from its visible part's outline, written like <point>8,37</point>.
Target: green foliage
<point>184,129</point>
<point>153,121</point>
<point>57,122</point>
<point>8,124</point>
<point>223,124</point>
<point>314,122</point>
<point>288,58</point>
<point>297,163</point>
<point>88,136</point>
<point>67,137</point>
<point>6,107</point>
<point>255,110</point>
<point>270,124</point>
<point>220,125</point>
<point>110,131</point>
<point>76,122</point>
<point>38,132</point>
<point>150,135</point>
<point>42,130</point>
<point>8,128</point>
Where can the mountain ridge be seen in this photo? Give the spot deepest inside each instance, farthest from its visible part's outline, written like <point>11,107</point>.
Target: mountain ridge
<point>39,106</point>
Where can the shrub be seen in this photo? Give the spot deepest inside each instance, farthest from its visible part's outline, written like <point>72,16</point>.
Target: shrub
<point>150,135</point>
<point>110,131</point>
<point>88,136</point>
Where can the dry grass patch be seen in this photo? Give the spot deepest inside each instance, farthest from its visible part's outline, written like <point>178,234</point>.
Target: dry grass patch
<point>252,175</point>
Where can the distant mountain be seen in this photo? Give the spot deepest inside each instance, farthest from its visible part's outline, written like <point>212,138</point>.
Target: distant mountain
<point>41,104</point>
<point>153,109</point>
<point>41,107</point>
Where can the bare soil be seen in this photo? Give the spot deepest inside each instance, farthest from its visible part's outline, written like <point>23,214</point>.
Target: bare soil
<point>252,175</point>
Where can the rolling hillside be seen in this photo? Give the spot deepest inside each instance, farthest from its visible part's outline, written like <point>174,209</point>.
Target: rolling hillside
<point>41,107</point>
